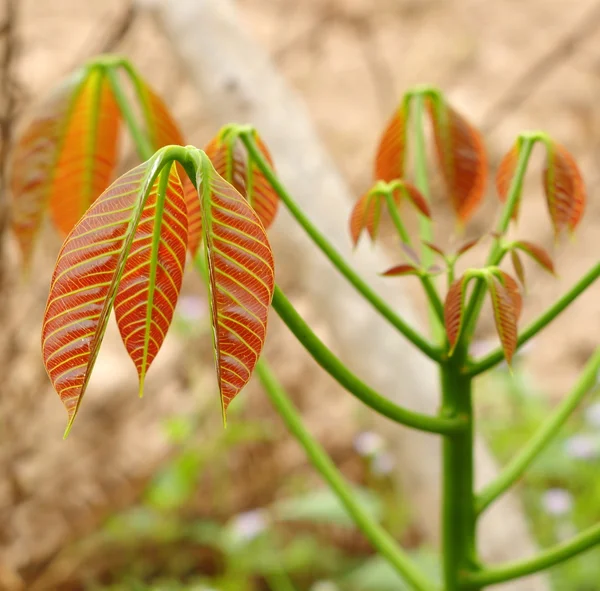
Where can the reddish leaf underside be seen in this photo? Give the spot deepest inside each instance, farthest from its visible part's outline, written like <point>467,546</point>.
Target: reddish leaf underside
<point>506,304</point>
<point>151,281</point>
<point>467,246</point>
<point>462,158</point>
<point>453,310</point>
<point>85,282</point>
<point>518,266</point>
<point>505,174</point>
<point>241,272</point>
<point>391,152</point>
<point>537,253</point>
<point>163,131</point>
<point>66,157</point>
<point>564,187</point>
<point>231,161</point>
<point>401,270</point>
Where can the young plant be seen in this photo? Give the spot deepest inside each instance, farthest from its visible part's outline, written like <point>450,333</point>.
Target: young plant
<point>126,250</point>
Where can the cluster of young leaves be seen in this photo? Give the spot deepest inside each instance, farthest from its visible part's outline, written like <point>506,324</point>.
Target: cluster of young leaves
<point>463,164</point>
<point>125,246</point>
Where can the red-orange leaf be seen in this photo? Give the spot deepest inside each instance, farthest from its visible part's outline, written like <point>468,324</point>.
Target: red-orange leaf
<point>467,246</point>
<point>66,157</point>
<point>435,248</point>
<point>231,161</point>
<point>365,215</point>
<point>518,266</point>
<point>391,153</point>
<point>241,271</point>
<point>505,174</point>
<point>564,187</point>
<point>505,299</point>
<point>462,157</point>
<point>151,281</point>
<point>414,196</point>
<point>85,282</point>
<point>537,253</point>
<point>401,270</point>
<point>454,309</point>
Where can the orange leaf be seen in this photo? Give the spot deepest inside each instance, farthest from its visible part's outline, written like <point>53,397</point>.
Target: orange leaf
<point>537,253</point>
<point>564,187</point>
<point>462,158</point>
<point>414,196</point>
<point>85,282</point>
<point>365,214</point>
<point>506,304</point>
<point>401,270</point>
<point>518,266</point>
<point>454,309</point>
<point>241,271</point>
<point>66,157</point>
<point>505,174</point>
<point>391,153</point>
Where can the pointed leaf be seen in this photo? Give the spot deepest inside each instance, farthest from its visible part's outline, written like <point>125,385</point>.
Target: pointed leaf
<point>518,266</point>
<point>151,281</point>
<point>241,270</point>
<point>86,280</point>
<point>414,196</point>
<point>365,215</point>
<point>435,248</point>
<point>504,302</point>
<point>402,270</point>
<point>462,158</point>
<point>391,153</point>
<point>231,161</point>
<point>537,253</point>
<point>564,187</point>
<point>454,309</point>
<point>505,174</point>
<point>163,130</point>
<point>66,157</point>
<point>467,246</point>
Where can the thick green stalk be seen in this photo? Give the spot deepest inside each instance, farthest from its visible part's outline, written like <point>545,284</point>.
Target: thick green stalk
<point>458,510</point>
<point>140,140</point>
<point>539,323</point>
<point>432,295</point>
<point>542,437</point>
<point>378,537</point>
<point>526,142</point>
<point>337,370</point>
<point>545,559</point>
<point>334,256</point>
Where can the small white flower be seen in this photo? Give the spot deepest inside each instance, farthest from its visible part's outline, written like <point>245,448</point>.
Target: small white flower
<point>592,415</point>
<point>557,501</point>
<point>582,447</point>
<point>249,525</point>
<point>367,444</point>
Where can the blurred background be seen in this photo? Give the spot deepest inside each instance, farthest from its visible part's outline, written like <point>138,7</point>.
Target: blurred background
<point>153,493</point>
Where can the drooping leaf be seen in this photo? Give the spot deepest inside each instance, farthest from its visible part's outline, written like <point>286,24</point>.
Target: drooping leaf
<point>391,152</point>
<point>506,304</point>
<point>230,159</point>
<point>454,309</point>
<point>241,271</point>
<point>518,266</point>
<point>364,215</point>
<point>461,155</point>
<point>435,248</point>
<point>151,281</point>
<point>66,157</point>
<point>162,130</point>
<point>505,174</point>
<point>413,195</point>
<point>402,270</point>
<point>537,253</point>
<point>564,187</point>
<point>85,283</point>
<point>467,246</point>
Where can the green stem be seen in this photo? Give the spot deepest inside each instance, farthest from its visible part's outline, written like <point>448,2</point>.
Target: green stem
<point>140,140</point>
<point>334,256</point>
<point>546,559</point>
<point>542,437</point>
<point>458,508</point>
<point>338,371</point>
<point>378,537</point>
<point>539,323</point>
<point>526,143</point>
<point>432,294</point>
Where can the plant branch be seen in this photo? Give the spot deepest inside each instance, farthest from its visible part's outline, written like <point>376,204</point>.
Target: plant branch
<point>334,256</point>
<point>539,323</point>
<point>379,538</point>
<point>542,437</point>
<point>526,143</point>
<point>336,369</point>
<point>545,559</point>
